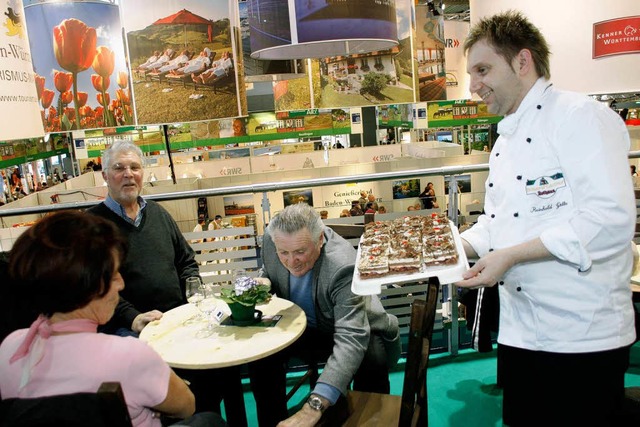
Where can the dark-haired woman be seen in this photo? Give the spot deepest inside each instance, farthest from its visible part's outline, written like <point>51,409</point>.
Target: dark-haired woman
<point>428,196</point>
<point>66,267</point>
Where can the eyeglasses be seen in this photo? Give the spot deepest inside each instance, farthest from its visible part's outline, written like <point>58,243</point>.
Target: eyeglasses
<point>120,168</point>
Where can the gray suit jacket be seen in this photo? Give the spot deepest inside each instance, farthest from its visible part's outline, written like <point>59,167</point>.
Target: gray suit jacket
<point>351,318</point>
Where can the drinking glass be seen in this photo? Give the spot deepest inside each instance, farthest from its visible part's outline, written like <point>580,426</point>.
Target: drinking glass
<point>195,293</point>
<point>208,306</point>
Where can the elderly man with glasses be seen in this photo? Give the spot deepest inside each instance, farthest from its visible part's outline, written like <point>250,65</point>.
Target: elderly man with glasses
<point>160,259</point>
<point>158,262</point>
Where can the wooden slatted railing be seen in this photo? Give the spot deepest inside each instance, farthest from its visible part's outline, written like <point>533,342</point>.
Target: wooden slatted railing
<point>220,252</point>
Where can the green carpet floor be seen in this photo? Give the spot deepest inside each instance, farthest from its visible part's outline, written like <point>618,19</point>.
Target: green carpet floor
<point>461,389</point>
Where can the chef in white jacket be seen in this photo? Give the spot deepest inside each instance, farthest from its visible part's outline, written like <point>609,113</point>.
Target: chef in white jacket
<point>555,236</point>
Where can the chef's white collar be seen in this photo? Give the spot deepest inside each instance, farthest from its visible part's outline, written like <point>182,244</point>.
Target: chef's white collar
<point>508,125</point>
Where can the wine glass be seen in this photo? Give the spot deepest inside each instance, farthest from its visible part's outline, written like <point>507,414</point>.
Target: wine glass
<point>195,293</point>
<point>208,306</point>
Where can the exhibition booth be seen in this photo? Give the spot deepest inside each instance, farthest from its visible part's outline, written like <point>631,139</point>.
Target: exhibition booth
<point>400,107</point>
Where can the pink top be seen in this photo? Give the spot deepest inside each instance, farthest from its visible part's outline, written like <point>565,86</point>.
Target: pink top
<point>80,362</point>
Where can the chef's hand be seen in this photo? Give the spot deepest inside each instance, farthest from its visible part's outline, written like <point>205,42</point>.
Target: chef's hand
<point>487,270</point>
<point>142,319</point>
<point>492,267</point>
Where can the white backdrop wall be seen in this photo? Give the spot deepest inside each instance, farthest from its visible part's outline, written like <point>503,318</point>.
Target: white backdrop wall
<point>456,62</point>
<point>568,27</point>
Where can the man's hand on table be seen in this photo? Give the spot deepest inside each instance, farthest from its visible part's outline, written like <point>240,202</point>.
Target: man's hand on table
<point>142,319</point>
<point>305,417</point>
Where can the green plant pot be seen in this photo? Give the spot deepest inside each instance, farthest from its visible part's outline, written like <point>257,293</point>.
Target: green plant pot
<point>243,315</point>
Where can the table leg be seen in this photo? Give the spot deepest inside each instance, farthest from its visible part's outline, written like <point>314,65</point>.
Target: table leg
<point>233,397</point>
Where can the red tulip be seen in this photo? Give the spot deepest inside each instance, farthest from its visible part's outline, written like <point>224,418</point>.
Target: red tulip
<point>86,111</point>
<point>39,85</point>
<point>104,61</point>
<point>66,97</point>
<point>99,110</point>
<point>100,84</point>
<point>52,112</point>
<point>47,98</point>
<point>123,96</point>
<point>71,113</point>
<point>63,81</point>
<point>82,99</point>
<point>123,79</point>
<point>74,44</point>
<point>106,98</point>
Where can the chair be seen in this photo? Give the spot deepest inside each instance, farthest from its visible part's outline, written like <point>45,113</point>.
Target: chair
<point>186,78</point>
<point>106,408</point>
<point>410,409</point>
<point>224,76</point>
<point>311,374</point>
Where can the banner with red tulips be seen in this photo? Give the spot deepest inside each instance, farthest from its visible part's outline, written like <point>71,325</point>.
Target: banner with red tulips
<point>18,97</point>
<point>78,55</point>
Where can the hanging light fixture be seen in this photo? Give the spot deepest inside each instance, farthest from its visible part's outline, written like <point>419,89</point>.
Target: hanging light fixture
<point>295,29</point>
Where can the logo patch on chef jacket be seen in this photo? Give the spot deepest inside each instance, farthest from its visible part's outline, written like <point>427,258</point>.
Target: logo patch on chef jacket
<point>545,186</point>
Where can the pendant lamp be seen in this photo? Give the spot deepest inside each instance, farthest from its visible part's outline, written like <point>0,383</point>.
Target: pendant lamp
<point>295,29</point>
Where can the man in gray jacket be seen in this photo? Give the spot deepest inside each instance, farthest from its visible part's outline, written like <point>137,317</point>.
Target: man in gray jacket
<point>312,266</point>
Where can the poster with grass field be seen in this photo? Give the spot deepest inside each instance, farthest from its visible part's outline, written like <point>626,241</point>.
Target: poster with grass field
<point>183,59</point>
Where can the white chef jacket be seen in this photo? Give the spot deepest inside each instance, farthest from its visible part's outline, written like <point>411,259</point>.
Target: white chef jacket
<point>559,171</point>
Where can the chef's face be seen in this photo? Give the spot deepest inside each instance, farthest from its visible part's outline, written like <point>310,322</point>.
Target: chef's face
<point>494,79</point>
<point>298,251</point>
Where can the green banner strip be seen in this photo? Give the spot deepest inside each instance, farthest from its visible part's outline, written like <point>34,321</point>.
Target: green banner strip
<point>463,122</point>
<point>396,123</point>
<point>30,158</point>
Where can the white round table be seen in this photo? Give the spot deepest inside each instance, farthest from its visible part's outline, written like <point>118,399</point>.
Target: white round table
<point>179,346</point>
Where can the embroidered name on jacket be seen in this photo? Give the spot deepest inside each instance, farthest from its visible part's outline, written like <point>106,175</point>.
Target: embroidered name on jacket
<point>545,186</point>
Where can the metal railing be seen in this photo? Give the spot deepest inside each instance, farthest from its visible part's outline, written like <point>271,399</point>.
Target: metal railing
<point>316,182</point>
<point>271,186</point>
<point>261,188</point>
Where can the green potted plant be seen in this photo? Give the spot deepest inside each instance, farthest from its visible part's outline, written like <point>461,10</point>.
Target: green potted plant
<point>242,297</point>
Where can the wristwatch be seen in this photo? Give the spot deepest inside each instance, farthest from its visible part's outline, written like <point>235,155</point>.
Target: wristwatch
<point>316,403</point>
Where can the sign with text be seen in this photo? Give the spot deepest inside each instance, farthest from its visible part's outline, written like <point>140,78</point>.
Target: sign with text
<point>459,113</point>
<point>19,98</point>
<point>616,37</point>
